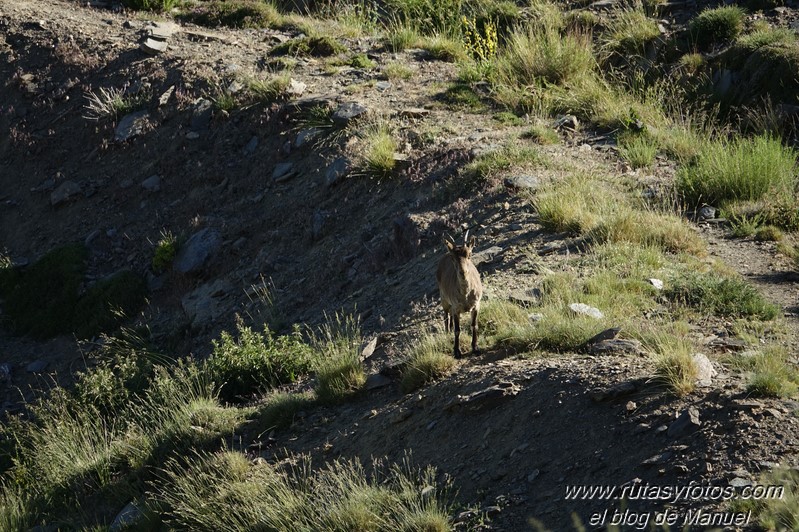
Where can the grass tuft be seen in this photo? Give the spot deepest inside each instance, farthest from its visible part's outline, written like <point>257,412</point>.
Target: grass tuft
<point>721,296</point>
<point>430,359</point>
<point>716,25</point>
<point>337,361</point>
<point>742,169</point>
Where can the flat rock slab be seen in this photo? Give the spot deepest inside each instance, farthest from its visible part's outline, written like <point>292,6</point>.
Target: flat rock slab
<point>197,250</point>
<point>132,125</point>
<point>204,304</point>
<point>153,46</point>
<point>337,171</point>
<point>37,366</point>
<point>373,382</point>
<point>616,346</point>
<point>687,422</point>
<point>487,255</point>
<point>283,172</point>
<point>485,399</point>
<point>347,112</point>
<point>64,192</point>
<point>586,310</point>
<point>522,182</point>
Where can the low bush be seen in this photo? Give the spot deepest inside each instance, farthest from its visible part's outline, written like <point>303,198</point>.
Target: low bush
<point>255,361</point>
<point>716,25</point>
<point>741,169</point>
<point>231,13</point>
<point>719,295</point>
<point>337,359</point>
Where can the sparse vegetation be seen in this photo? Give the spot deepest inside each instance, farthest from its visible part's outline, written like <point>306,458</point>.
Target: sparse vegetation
<point>379,145</point>
<point>542,134</point>
<point>310,46</point>
<point>112,103</point>
<point>211,491</point>
<point>234,13</point>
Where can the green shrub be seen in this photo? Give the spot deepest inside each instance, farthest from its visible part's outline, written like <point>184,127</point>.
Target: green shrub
<point>269,90</point>
<point>542,134</point>
<point>485,170</point>
<point>773,374</point>
<point>310,46</point>
<point>768,36</point>
<point>506,118</point>
<point>399,37</point>
<point>540,56</point>
<point>166,249</point>
<point>674,363</point>
<point>721,296</point>
<point>716,25</point>
<point>256,361</point>
<point>41,300</point>
<point>630,32</point>
<point>742,169</point>
<point>769,233</point>
<point>279,409</point>
<point>232,13</point>
<point>461,96</point>
<point>378,148</point>
<point>638,149</point>
<point>444,48</point>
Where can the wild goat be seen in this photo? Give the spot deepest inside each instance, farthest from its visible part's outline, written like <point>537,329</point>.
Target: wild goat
<point>460,288</point>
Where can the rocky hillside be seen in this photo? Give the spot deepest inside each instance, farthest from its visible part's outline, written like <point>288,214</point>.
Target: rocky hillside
<point>173,181</point>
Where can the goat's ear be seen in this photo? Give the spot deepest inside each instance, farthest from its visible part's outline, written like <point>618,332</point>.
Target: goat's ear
<point>471,243</point>
<point>450,245</point>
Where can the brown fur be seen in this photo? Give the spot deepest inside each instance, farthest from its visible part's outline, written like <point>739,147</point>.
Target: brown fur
<point>460,288</point>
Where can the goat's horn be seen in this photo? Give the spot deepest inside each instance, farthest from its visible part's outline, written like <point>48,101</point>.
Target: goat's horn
<point>466,238</point>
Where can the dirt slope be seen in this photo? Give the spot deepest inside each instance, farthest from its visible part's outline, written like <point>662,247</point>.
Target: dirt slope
<point>371,245</point>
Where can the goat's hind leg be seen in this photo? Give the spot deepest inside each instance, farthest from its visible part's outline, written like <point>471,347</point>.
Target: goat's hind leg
<point>474,331</point>
<point>457,321</point>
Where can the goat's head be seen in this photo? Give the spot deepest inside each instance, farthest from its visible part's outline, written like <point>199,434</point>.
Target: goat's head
<point>464,251</point>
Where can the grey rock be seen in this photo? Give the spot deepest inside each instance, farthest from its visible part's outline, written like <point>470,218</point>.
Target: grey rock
<point>192,135</point>
<point>586,310</point>
<point>706,212</point>
<point>201,114</point>
<point>687,422</point>
<point>37,366</point>
<point>525,296</point>
<point>383,85</point>
<point>657,283</point>
<point>251,146</point>
<point>91,236</point>
<point>535,317</point>
<point>318,222</point>
<point>704,370</point>
<point>414,112</point>
<point>368,349</point>
<point>64,192</point>
<point>132,125</point>
<point>153,46</point>
<point>5,373</point>
<point>152,183</point>
<point>126,517</point>
<point>197,250</point>
<point>487,255</point>
<point>616,346</point>
<point>533,475</point>
<point>401,415</point>
<point>614,392</point>
<point>295,88</point>
<point>522,182</point>
<point>283,172</point>
<point>126,184</point>
<point>306,135</point>
<point>337,171</point>
<point>347,112</point>
<point>376,381</point>
<point>567,122</point>
<point>607,334</point>
<point>739,482</point>
<point>205,304</point>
